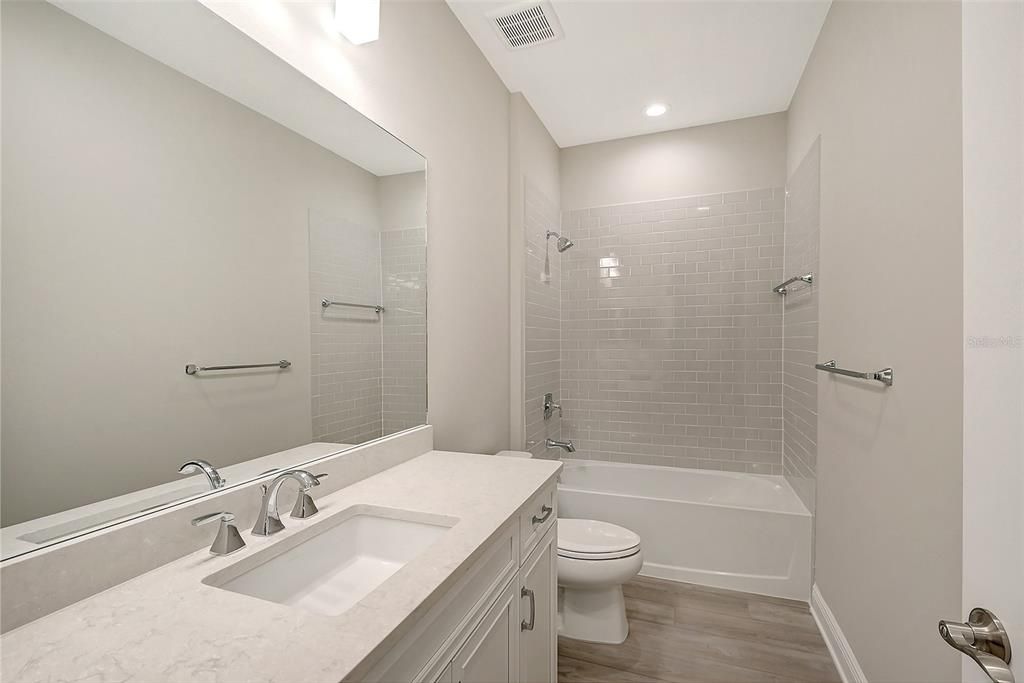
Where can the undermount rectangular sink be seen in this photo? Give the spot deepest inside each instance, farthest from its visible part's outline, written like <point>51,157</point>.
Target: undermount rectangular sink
<point>336,563</point>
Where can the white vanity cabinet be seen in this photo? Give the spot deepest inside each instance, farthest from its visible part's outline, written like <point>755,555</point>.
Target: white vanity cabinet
<point>538,628</point>
<point>497,624</point>
<point>489,654</point>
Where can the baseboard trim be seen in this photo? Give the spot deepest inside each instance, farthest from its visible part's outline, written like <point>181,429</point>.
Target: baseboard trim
<point>838,647</point>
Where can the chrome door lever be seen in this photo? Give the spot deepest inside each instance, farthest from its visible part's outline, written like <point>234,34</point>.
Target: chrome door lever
<point>984,640</point>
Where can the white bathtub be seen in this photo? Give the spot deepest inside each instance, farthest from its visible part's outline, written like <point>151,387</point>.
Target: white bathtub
<point>744,532</point>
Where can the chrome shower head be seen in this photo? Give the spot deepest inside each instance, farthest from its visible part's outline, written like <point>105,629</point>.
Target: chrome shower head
<point>562,244</point>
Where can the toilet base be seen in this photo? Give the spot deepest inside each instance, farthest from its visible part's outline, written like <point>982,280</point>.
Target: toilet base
<point>597,616</point>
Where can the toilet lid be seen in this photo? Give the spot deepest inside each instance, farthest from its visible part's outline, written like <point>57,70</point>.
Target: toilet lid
<point>589,538</point>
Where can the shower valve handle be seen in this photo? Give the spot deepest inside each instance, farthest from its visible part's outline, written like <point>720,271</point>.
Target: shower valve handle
<point>550,406</point>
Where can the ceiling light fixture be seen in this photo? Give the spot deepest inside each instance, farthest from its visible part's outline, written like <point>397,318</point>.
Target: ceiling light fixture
<point>358,20</point>
<point>656,109</point>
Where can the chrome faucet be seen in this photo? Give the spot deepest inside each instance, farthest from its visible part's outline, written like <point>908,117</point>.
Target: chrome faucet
<point>212,475</point>
<point>269,520</point>
<point>564,445</point>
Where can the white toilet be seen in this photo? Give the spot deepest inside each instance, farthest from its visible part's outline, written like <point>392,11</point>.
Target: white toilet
<point>594,560</point>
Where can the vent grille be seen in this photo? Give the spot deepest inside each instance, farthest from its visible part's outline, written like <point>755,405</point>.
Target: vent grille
<point>525,25</point>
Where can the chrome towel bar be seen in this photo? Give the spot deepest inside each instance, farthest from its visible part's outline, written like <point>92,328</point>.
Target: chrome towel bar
<point>191,369</point>
<point>783,289</point>
<point>327,302</point>
<point>884,375</point>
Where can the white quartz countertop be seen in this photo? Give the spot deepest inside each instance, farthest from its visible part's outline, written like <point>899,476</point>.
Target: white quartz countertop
<point>166,625</point>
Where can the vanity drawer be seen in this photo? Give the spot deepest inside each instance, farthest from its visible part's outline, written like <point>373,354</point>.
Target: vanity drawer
<point>536,518</point>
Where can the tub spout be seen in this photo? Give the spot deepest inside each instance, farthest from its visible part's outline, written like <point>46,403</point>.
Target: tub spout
<point>564,445</point>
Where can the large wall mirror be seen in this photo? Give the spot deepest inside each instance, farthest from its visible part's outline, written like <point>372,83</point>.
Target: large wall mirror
<point>166,213</point>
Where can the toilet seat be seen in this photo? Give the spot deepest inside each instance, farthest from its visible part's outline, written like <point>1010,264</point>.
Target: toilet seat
<point>589,539</point>
<point>614,555</point>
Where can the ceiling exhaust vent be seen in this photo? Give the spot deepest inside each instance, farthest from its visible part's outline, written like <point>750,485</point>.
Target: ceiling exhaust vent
<point>526,24</point>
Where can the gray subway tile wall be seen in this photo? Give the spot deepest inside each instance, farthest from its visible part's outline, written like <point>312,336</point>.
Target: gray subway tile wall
<point>800,330</point>
<point>542,319</point>
<point>404,328</point>
<point>671,338</point>
<point>346,354</point>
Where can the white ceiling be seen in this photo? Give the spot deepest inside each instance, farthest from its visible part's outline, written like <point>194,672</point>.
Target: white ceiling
<point>710,61</point>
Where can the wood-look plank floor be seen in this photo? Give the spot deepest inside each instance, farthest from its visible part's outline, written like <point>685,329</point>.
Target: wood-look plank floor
<point>682,633</point>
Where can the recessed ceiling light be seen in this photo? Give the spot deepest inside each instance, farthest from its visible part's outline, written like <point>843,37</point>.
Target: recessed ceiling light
<point>656,109</point>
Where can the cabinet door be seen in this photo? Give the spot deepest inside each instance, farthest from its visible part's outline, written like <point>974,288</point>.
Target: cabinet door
<point>490,654</point>
<point>538,633</point>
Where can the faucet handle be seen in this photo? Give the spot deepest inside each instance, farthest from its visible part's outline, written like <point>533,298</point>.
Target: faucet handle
<point>550,406</point>
<point>315,477</point>
<point>304,506</point>
<point>228,539</point>
<point>212,517</point>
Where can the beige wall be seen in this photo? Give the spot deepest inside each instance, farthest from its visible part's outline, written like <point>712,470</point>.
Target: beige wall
<point>735,155</point>
<point>533,177</point>
<point>882,89</point>
<point>542,319</point>
<point>128,254</point>
<point>534,153</point>
<point>402,200</point>
<point>426,82</point>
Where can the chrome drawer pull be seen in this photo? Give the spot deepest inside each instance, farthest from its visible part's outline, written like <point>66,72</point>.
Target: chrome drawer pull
<point>528,625</point>
<point>545,512</point>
